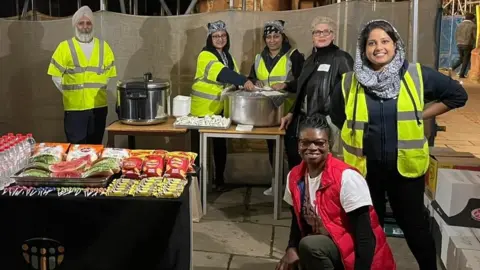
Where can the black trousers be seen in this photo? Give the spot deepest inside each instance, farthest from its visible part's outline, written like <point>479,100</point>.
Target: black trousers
<point>85,127</point>
<point>291,145</point>
<point>465,51</point>
<point>406,200</point>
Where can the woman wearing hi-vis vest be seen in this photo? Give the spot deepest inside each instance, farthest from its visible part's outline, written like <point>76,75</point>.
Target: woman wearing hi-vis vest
<point>277,66</point>
<point>380,110</point>
<point>216,69</point>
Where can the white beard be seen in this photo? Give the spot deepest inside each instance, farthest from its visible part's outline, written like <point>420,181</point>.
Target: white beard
<point>84,37</point>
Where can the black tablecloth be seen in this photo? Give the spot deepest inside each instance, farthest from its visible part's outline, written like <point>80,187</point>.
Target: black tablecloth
<point>98,233</point>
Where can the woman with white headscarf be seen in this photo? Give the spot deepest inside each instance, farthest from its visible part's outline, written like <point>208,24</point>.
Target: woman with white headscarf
<point>380,110</point>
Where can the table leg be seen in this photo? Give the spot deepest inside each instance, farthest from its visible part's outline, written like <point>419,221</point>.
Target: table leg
<point>204,164</point>
<point>191,224</point>
<point>278,184</point>
<point>111,139</point>
<point>131,142</point>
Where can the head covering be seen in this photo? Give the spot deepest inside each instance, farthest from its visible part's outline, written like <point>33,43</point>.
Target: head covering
<point>386,82</point>
<point>216,26</point>
<point>83,11</point>
<point>276,26</point>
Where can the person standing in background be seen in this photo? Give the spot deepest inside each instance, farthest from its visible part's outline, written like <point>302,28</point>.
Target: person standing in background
<point>278,66</point>
<point>465,35</point>
<point>321,71</point>
<point>81,68</point>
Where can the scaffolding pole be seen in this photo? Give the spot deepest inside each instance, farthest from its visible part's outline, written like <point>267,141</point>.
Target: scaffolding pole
<point>415,32</point>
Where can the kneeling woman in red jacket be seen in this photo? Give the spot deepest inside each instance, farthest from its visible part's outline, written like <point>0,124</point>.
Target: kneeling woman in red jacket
<point>334,225</point>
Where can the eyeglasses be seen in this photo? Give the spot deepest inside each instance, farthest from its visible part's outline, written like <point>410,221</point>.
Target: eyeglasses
<point>304,143</point>
<point>322,33</point>
<point>219,36</point>
<point>85,23</point>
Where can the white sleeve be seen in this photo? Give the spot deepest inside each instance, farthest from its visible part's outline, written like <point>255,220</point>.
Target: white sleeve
<point>58,82</point>
<point>354,192</point>
<point>287,197</point>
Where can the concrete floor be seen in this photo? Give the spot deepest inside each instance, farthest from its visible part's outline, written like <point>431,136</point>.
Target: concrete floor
<point>239,231</point>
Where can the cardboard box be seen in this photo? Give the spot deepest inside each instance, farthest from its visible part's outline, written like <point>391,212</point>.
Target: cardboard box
<point>458,197</point>
<point>469,260</point>
<point>455,246</point>
<point>447,160</point>
<point>442,233</point>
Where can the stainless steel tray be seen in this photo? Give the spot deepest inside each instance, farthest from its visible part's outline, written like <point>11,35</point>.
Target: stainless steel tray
<point>202,127</point>
<point>60,182</point>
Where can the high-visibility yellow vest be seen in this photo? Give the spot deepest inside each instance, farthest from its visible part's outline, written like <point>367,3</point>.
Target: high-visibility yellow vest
<point>413,153</point>
<point>206,90</point>
<point>281,73</point>
<point>84,82</point>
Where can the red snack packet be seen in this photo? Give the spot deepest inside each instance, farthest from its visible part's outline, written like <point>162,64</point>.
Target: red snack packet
<point>153,166</point>
<point>132,167</point>
<point>177,166</point>
<point>160,152</point>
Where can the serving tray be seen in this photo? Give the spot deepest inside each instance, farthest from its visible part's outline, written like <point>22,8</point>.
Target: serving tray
<point>32,181</point>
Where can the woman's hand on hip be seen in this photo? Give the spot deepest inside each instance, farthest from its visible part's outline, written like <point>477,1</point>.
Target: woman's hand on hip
<point>289,260</point>
<point>285,121</point>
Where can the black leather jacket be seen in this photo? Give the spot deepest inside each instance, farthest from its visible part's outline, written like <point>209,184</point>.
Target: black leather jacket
<point>338,63</point>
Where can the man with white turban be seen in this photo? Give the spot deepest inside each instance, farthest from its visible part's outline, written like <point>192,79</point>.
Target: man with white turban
<point>80,68</point>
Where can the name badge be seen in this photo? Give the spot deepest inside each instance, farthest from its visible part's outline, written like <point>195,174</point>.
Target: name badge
<point>324,67</point>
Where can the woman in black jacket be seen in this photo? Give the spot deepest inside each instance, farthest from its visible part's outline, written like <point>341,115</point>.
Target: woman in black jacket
<point>321,72</point>
<point>380,109</point>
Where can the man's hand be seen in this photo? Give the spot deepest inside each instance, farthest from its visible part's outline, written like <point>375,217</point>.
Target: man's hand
<point>259,84</point>
<point>285,121</point>
<point>289,260</point>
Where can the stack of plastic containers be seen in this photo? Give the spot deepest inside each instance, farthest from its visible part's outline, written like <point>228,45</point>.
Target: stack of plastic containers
<point>15,150</point>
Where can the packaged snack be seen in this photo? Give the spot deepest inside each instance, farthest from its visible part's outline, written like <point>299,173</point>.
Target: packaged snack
<point>132,167</point>
<point>177,166</point>
<point>80,150</point>
<point>49,153</point>
<point>191,156</point>
<point>153,166</point>
<point>140,153</point>
<point>108,163</point>
<point>160,152</point>
<point>117,153</point>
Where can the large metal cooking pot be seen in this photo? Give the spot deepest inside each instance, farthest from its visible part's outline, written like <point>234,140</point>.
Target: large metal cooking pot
<point>143,101</point>
<point>253,108</point>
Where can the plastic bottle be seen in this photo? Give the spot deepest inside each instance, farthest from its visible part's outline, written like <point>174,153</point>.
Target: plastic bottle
<point>31,141</point>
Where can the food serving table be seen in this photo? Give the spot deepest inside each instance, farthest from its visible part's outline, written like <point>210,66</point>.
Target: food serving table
<point>271,133</point>
<point>118,128</point>
<point>96,233</point>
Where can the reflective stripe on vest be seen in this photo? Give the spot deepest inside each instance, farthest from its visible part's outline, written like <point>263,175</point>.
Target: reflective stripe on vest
<point>412,159</point>
<point>84,86</point>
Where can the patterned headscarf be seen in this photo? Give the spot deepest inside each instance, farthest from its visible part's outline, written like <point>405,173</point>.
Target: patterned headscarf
<point>216,26</point>
<point>385,83</point>
<point>276,26</point>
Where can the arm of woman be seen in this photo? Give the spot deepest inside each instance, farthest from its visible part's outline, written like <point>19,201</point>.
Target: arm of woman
<point>337,106</point>
<point>229,76</point>
<point>297,63</point>
<point>446,93</point>
<point>356,201</point>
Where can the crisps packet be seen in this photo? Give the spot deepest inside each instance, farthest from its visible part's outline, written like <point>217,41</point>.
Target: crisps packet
<point>153,166</point>
<point>140,153</point>
<point>132,167</point>
<point>55,150</point>
<point>117,153</point>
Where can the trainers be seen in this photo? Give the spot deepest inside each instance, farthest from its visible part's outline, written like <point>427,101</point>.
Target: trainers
<point>268,192</point>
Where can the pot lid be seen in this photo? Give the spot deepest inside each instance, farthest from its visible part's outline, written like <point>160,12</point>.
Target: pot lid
<point>152,83</point>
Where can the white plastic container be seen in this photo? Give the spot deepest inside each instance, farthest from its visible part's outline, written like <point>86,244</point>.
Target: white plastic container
<point>181,106</point>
